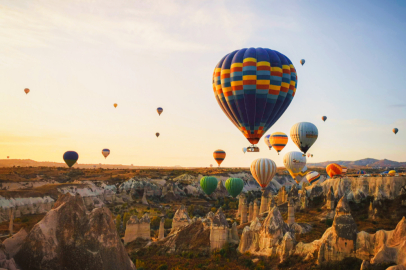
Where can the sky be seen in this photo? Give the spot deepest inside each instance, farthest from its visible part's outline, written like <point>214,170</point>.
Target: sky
<point>80,57</point>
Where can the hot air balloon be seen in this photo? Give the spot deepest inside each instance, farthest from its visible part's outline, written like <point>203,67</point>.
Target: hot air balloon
<point>208,184</point>
<point>115,105</point>
<point>344,170</point>
<point>70,158</point>
<point>302,61</point>
<point>308,155</point>
<point>263,170</point>
<point>324,118</point>
<point>361,172</point>
<point>211,165</point>
<point>8,157</point>
<point>244,149</point>
<point>311,155</point>
<point>26,90</point>
<point>294,163</point>
<point>234,186</point>
<point>159,110</point>
<point>395,130</point>
<point>105,152</point>
<point>392,173</point>
<point>219,156</point>
<point>157,134</point>
<point>278,141</point>
<point>304,134</point>
<point>267,142</point>
<point>334,169</point>
<point>313,177</point>
<point>254,87</point>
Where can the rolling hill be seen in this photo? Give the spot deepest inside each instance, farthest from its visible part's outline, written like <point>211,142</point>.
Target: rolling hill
<point>366,162</point>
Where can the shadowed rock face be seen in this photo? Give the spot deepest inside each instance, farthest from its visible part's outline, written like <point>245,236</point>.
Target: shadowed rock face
<point>68,238</point>
<point>344,224</point>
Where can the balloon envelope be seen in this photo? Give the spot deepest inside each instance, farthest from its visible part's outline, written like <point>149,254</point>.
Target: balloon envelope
<point>278,141</point>
<point>115,105</point>
<point>70,158</point>
<point>392,173</point>
<point>157,134</point>
<point>234,186</point>
<point>313,177</point>
<point>294,163</point>
<point>324,118</point>
<point>302,61</point>
<point>254,87</point>
<point>244,149</point>
<point>105,152</point>
<point>219,155</point>
<point>26,90</point>
<point>263,170</point>
<point>208,184</point>
<point>159,110</point>
<point>334,169</point>
<point>267,142</point>
<point>304,134</point>
<point>395,130</point>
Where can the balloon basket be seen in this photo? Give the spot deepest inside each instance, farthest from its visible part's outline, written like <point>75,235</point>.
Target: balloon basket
<point>252,149</point>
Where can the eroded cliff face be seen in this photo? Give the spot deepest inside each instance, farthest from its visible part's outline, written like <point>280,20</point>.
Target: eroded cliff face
<point>68,238</point>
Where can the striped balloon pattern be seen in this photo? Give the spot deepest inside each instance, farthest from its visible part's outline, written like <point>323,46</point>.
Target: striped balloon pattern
<point>294,163</point>
<point>105,152</point>
<point>70,158</point>
<point>159,110</point>
<point>208,184</point>
<point>267,142</point>
<point>313,177</point>
<point>234,186</point>
<point>304,134</point>
<point>278,141</point>
<point>334,169</point>
<point>219,155</point>
<point>254,87</point>
<point>263,170</point>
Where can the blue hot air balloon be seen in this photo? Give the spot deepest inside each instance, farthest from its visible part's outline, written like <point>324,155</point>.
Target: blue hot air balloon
<point>70,158</point>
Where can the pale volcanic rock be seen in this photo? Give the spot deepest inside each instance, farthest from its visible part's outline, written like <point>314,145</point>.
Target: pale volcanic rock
<point>138,228</point>
<point>14,243</point>
<point>180,219</point>
<point>68,238</point>
<point>219,232</point>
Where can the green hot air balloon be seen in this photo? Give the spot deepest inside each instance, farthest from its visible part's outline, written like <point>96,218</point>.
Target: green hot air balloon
<point>234,186</point>
<point>208,184</point>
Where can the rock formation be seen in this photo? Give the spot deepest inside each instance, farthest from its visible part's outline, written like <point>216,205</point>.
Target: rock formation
<point>250,211</point>
<point>291,211</point>
<point>243,211</point>
<point>161,234</point>
<point>180,219</point>
<point>264,201</point>
<point>370,211</point>
<point>14,243</point>
<point>304,201</point>
<point>144,197</point>
<point>256,209</point>
<point>282,196</point>
<point>138,228</point>
<point>67,232</point>
<point>219,231</point>
<point>330,199</point>
<point>241,199</point>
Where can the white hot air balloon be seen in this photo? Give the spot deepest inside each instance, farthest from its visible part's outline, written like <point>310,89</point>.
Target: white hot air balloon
<point>263,170</point>
<point>294,163</point>
<point>244,149</point>
<point>267,142</point>
<point>313,177</point>
<point>304,134</point>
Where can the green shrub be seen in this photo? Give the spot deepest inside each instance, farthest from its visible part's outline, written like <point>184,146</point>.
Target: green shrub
<point>162,267</point>
<point>329,222</point>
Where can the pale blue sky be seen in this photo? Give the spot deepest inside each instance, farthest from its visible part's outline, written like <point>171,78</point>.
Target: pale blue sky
<point>80,57</point>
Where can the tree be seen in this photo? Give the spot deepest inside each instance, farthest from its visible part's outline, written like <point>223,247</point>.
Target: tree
<point>126,217</point>
<point>155,221</point>
<point>118,222</point>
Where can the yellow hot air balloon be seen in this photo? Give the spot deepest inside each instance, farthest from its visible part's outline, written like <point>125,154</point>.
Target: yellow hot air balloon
<point>263,170</point>
<point>278,141</point>
<point>294,163</point>
<point>115,105</point>
<point>392,173</point>
<point>26,90</point>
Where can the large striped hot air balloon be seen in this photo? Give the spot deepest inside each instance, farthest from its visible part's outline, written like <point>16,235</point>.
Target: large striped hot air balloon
<point>267,142</point>
<point>254,87</point>
<point>105,152</point>
<point>334,169</point>
<point>159,110</point>
<point>302,61</point>
<point>208,184</point>
<point>313,177</point>
<point>278,141</point>
<point>234,186</point>
<point>70,158</point>
<point>324,118</point>
<point>219,156</point>
<point>294,163</point>
<point>263,170</point>
<point>304,134</point>
<point>395,130</point>
<point>26,90</point>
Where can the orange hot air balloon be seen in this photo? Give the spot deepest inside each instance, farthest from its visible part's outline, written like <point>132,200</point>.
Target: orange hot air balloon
<point>219,155</point>
<point>334,169</point>
<point>26,90</point>
<point>115,105</point>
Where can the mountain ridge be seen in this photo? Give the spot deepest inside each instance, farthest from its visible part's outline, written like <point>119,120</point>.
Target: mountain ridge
<point>366,162</point>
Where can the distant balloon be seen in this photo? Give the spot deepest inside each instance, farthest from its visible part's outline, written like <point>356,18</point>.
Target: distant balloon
<point>8,157</point>
<point>392,173</point>
<point>254,87</point>
<point>267,142</point>
<point>302,61</point>
<point>294,163</point>
<point>105,152</point>
<point>159,110</point>
<point>26,90</point>
<point>361,172</point>
<point>278,141</point>
<point>115,105</point>
<point>157,134</point>
<point>313,177</point>
<point>208,184</point>
<point>263,170</point>
<point>311,155</point>
<point>70,158</point>
<point>304,134</point>
<point>234,186</point>
<point>308,155</point>
<point>244,149</point>
<point>395,130</point>
<point>219,156</point>
<point>211,165</point>
<point>334,169</point>
<point>324,118</point>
